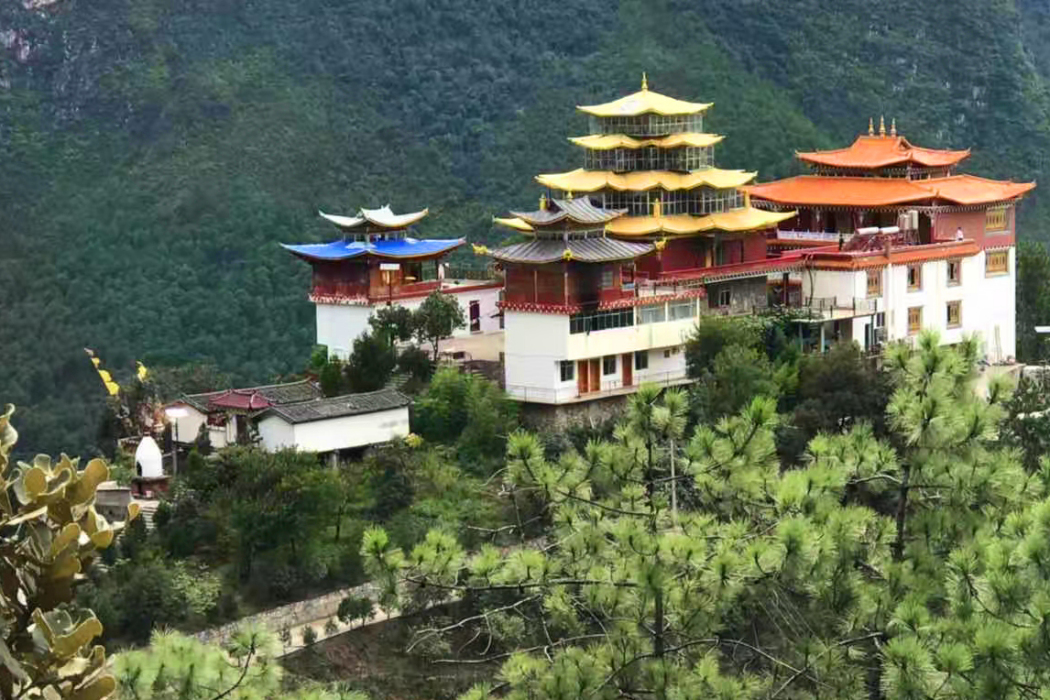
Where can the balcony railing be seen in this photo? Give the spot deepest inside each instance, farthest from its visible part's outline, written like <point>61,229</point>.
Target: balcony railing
<point>829,236</point>
<point>841,306</point>
<point>611,387</point>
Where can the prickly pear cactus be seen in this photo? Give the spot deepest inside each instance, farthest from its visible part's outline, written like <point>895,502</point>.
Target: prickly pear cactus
<point>49,535</point>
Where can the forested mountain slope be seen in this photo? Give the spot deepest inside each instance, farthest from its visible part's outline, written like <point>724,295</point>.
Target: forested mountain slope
<point>154,152</point>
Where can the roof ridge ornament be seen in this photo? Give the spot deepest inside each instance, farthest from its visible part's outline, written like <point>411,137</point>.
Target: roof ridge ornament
<point>645,81</point>
<point>871,126</point>
<point>893,127</point>
<point>882,126</point>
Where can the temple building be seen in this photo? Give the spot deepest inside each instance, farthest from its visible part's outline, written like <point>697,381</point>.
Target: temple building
<point>377,263</point>
<point>894,241</point>
<point>625,253</point>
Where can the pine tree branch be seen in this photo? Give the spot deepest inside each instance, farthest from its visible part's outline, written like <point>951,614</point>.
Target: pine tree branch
<point>423,583</point>
<point>818,657</point>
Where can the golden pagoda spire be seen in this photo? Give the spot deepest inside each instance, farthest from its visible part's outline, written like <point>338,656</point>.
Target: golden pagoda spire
<point>645,81</point>
<point>893,127</point>
<point>871,126</point>
<point>543,202</point>
<point>882,126</point>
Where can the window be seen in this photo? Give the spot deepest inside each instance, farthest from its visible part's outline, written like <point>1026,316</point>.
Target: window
<point>607,278</point>
<point>880,319</point>
<point>996,262</point>
<point>626,277</point>
<point>652,314</point>
<point>682,309</point>
<point>954,314</point>
<point>914,278</point>
<point>609,364</point>
<point>641,360</point>
<point>568,370</point>
<point>874,283</point>
<point>995,219</point>
<point>954,272</point>
<point>724,297</point>
<point>914,319</point>
<point>601,320</point>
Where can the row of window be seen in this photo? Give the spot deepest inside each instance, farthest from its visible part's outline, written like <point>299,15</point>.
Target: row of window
<point>953,316</point>
<point>567,368</point>
<point>700,202</point>
<point>623,318</point>
<point>649,124</point>
<point>650,158</point>
<point>995,263</point>
<point>995,219</point>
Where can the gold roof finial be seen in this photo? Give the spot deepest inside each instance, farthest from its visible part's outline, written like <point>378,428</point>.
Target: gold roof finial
<point>893,127</point>
<point>871,126</point>
<point>568,195</point>
<point>543,202</point>
<point>645,81</point>
<point>882,126</point>
<point>657,208</point>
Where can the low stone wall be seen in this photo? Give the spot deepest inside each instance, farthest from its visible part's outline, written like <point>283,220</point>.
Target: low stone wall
<point>292,616</point>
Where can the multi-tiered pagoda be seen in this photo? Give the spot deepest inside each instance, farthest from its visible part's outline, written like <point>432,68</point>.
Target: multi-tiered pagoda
<point>898,241</point>
<point>375,263</point>
<point>627,252</point>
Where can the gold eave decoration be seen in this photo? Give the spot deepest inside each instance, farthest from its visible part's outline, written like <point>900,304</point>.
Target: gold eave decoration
<point>604,142</point>
<point>515,223</point>
<point>581,180</point>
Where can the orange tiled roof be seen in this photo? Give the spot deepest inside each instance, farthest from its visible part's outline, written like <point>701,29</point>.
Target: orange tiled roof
<point>970,189</point>
<point>818,190</point>
<point>881,152</point>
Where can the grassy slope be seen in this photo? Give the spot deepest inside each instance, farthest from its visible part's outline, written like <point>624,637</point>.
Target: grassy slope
<point>157,150</point>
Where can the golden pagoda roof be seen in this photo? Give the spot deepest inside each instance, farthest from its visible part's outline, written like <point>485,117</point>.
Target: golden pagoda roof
<point>736,220</point>
<point>383,217</point>
<point>581,180</point>
<point>515,223</point>
<point>604,142</point>
<point>645,102</point>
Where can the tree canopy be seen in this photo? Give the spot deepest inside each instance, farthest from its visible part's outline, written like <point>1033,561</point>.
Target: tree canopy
<point>906,567</point>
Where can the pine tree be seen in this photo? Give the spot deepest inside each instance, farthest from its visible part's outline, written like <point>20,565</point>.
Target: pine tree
<point>918,567</point>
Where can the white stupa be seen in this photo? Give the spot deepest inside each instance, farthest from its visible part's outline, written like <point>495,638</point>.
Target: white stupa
<point>149,462</point>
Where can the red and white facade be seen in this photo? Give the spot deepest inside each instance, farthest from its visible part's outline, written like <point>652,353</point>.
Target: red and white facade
<point>894,241</point>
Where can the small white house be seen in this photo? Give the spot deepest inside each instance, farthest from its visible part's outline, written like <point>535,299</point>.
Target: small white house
<point>337,423</point>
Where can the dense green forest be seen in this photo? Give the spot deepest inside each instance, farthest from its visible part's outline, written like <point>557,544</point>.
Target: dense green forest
<point>154,152</point>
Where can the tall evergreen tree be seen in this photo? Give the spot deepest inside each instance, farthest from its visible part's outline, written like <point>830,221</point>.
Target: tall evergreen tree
<point>918,567</point>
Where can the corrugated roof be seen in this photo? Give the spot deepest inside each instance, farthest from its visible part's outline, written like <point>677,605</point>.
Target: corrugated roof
<point>340,406</point>
<point>581,180</point>
<point>590,250</point>
<point>382,217</point>
<point>580,211</point>
<point>817,190</point>
<point>881,152</point>
<point>397,249</point>
<point>290,392</point>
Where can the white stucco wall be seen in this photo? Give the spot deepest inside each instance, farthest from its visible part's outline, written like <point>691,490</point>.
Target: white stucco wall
<point>986,301</point>
<point>535,344</point>
<point>190,424</point>
<point>339,324</point>
<point>334,433</point>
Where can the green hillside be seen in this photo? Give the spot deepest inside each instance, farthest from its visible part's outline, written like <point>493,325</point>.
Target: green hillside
<point>154,152</point>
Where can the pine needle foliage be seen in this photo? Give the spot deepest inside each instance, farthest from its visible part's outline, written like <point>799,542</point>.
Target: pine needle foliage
<point>916,567</point>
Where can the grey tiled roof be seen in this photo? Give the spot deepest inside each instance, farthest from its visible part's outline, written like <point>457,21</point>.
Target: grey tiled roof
<point>580,211</point>
<point>290,392</point>
<point>583,250</point>
<point>340,406</point>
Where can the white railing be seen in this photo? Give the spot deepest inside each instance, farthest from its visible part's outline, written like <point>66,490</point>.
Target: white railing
<point>830,237</point>
<point>610,387</point>
<point>857,305</point>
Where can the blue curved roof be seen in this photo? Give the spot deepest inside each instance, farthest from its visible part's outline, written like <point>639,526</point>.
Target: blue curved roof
<point>399,248</point>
